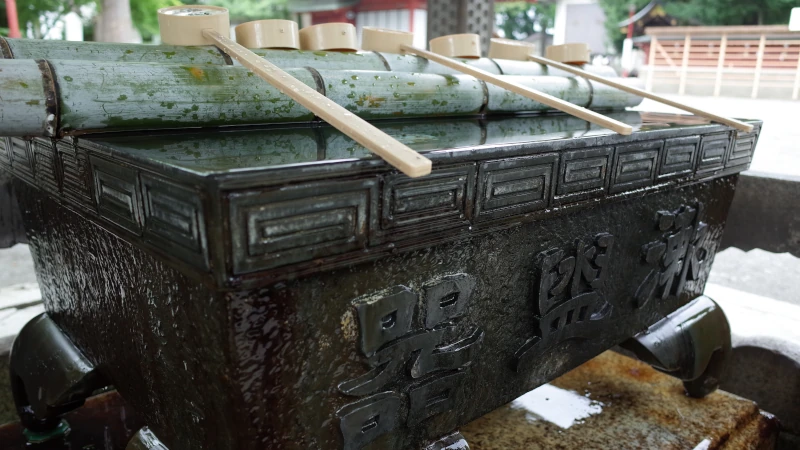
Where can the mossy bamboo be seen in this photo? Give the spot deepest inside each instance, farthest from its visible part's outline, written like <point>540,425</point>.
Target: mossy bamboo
<point>169,54</point>
<point>108,96</point>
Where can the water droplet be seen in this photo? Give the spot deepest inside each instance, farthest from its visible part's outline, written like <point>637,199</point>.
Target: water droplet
<point>281,30</point>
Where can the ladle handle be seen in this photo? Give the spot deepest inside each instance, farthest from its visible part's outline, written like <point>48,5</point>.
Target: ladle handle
<point>395,153</point>
<point>539,96</point>
<point>741,126</point>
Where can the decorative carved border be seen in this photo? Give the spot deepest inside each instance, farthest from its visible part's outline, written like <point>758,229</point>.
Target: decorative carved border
<point>301,222</point>
<point>504,189</point>
<point>298,223</point>
<point>5,153</point>
<point>167,216</point>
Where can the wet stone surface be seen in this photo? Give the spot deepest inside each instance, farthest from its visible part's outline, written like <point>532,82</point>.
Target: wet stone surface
<point>613,401</point>
<point>610,402</point>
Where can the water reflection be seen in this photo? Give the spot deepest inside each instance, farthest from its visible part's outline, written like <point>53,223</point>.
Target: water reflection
<point>560,407</point>
<point>703,445</point>
<point>226,149</point>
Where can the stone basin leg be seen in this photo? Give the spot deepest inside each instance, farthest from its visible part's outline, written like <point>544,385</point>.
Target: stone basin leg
<point>49,377</point>
<point>692,344</point>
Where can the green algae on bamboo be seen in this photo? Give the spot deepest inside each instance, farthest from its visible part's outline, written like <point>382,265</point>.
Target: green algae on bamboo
<point>113,52</point>
<point>573,90</point>
<point>167,54</point>
<point>23,111</point>
<point>384,95</point>
<point>109,96</point>
<point>99,96</point>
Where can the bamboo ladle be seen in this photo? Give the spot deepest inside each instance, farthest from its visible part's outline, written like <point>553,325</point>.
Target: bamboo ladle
<point>209,25</point>
<point>392,41</point>
<point>741,126</point>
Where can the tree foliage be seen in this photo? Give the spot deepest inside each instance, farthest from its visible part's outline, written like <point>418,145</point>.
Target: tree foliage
<point>42,15</point>
<point>144,14</point>
<point>3,20</point>
<point>706,12</point>
<point>518,20</point>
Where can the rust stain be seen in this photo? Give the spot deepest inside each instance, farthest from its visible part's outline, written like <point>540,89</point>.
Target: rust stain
<point>197,73</point>
<point>641,408</point>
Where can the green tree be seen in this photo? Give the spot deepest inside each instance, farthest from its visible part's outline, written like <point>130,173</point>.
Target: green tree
<point>3,20</point>
<point>145,16</point>
<point>706,12</point>
<point>42,15</point>
<point>518,20</point>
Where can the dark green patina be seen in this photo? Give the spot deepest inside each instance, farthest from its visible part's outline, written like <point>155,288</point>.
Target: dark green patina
<point>238,286</point>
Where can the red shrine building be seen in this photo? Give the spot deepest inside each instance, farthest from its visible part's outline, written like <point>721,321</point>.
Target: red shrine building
<point>403,15</point>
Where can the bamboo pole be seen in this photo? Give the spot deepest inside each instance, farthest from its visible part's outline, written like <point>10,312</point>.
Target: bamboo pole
<point>549,100</point>
<point>112,96</point>
<point>395,153</point>
<point>198,24</point>
<point>285,59</point>
<point>723,47</point>
<point>716,118</point>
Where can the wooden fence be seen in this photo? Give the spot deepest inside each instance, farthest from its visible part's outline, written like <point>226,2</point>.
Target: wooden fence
<point>740,58</point>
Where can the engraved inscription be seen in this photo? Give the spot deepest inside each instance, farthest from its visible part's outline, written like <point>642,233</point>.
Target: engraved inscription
<point>421,367</point>
<point>173,219</point>
<point>678,156</point>
<point>516,185</point>
<point>385,318</point>
<point>46,167</point>
<point>117,193</point>
<point>366,420</point>
<point>712,151</point>
<point>433,397</point>
<point>447,299</point>
<point>299,223</point>
<point>680,255</point>
<point>583,174</point>
<point>635,165</point>
<point>569,299</point>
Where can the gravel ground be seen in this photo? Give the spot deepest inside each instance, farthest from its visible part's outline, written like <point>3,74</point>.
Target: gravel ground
<point>16,266</point>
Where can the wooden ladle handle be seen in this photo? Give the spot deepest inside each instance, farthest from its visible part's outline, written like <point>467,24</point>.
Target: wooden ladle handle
<point>394,152</point>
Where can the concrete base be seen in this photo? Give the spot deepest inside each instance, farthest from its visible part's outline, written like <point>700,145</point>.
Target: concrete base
<point>765,366</point>
<point>18,304</point>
